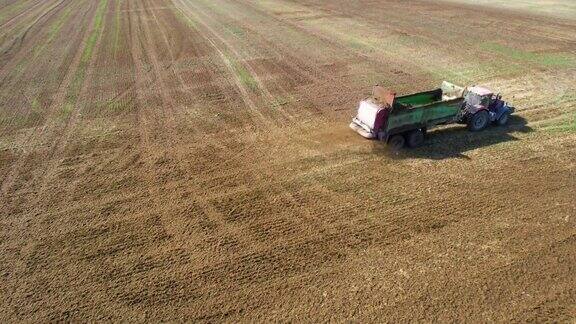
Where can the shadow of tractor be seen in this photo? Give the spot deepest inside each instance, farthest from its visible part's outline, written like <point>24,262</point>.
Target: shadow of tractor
<point>452,142</point>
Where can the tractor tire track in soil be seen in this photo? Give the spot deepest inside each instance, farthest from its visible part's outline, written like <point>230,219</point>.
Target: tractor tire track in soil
<point>177,160</point>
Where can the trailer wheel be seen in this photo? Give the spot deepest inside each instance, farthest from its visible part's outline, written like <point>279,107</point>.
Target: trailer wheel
<point>503,120</point>
<point>479,121</point>
<point>397,142</point>
<point>415,138</point>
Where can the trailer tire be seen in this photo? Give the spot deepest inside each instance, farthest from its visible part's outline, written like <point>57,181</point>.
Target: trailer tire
<point>478,121</point>
<point>415,138</point>
<point>503,120</point>
<point>397,142</point>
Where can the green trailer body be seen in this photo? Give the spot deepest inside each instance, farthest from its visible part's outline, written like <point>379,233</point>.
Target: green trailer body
<point>424,116</point>
<point>424,110</point>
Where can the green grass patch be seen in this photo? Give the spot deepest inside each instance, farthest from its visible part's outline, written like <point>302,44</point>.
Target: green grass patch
<point>76,85</point>
<point>235,30</point>
<point>187,20</point>
<point>36,112</point>
<point>97,30</point>
<point>544,59</point>
<point>279,102</point>
<point>54,29</point>
<point>243,74</point>
<point>117,26</point>
<point>355,44</point>
<point>565,125</point>
<point>11,9</point>
<point>113,106</point>
<point>566,98</point>
<point>470,72</point>
<point>35,105</point>
<point>567,122</point>
<point>463,75</point>
<point>66,110</point>
<point>57,25</point>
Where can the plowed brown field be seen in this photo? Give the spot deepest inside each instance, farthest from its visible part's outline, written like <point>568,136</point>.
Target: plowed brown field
<point>191,160</point>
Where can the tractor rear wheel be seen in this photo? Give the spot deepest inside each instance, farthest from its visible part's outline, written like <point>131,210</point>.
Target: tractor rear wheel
<point>415,138</point>
<point>479,121</point>
<point>397,142</point>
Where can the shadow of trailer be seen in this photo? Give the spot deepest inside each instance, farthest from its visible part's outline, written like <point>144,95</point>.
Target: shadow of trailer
<point>454,141</point>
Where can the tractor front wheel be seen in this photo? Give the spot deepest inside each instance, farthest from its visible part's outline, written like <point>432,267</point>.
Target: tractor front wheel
<point>503,120</point>
<point>397,142</point>
<point>478,121</point>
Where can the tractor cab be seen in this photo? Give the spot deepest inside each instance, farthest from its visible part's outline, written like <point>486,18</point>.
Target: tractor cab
<point>480,98</point>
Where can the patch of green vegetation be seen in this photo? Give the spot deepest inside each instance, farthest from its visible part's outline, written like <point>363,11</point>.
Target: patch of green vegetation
<point>544,59</point>
<point>74,89</point>
<point>187,20</point>
<point>20,67</point>
<point>566,98</point>
<point>567,121</point>
<point>567,124</point>
<point>97,30</point>
<point>235,30</point>
<point>66,110</point>
<point>245,77</point>
<point>243,74</point>
<point>75,86</point>
<point>6,121</point>
<point>459,76</point>
<point>8,10</point>
<point>57,25</point>
<point>364,43</point>
<point>356,44</point>
<point>38,49</point>
<point>117,26</point>
<point>113,106</point>
<point>471,72</point>
<point>35,105</point>
<point>35,112</point>
<point>280,102</point>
